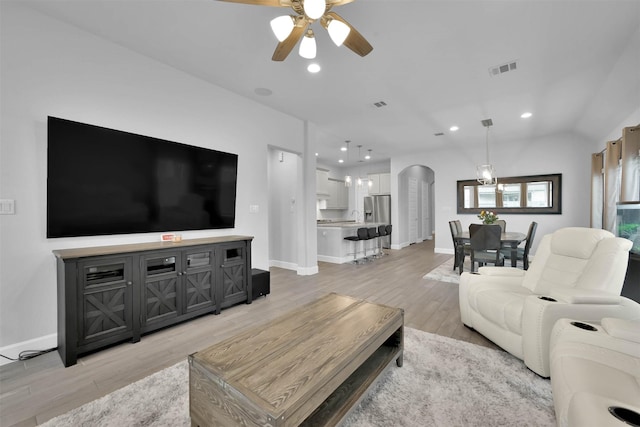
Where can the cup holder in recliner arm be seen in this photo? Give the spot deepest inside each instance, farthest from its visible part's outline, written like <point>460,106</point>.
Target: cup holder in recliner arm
<point>584,326</point>
<point>625,415</point>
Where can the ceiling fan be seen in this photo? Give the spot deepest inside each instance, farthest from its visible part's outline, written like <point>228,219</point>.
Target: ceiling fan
<point>289,29</point>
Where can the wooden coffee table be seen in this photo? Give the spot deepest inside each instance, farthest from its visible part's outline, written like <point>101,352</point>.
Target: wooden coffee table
<point>308,367</point>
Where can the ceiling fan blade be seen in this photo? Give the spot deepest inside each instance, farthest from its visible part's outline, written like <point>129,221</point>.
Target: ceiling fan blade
<point>354,41</point>
<point>276,3</point>
<point>286,46</point>
<point>338,2</point>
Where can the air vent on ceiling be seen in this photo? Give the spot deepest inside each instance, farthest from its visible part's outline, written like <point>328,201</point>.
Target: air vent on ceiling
<point>487,122</point>
<point>438,134</point>
<point>501,69</point>
<point>380,104</point>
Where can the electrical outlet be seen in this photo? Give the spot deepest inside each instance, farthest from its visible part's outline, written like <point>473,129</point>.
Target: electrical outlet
<point>254,208</point>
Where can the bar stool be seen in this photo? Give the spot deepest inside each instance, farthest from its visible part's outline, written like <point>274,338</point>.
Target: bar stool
<point>382,232</point>
<point>361,236</point>
<point>372,234</point>
<point>389,228</point>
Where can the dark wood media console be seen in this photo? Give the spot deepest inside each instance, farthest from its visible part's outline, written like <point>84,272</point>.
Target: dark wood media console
<point>111,294</point>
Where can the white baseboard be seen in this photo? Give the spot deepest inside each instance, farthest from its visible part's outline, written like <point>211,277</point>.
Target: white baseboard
<point>444,251</point>
<point>334,259</point>
<point>308,271</point>
<point>41,343</point>
<point>283,264</point>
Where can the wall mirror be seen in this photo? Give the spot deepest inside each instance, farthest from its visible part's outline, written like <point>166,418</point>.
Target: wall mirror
<point>534,194</point>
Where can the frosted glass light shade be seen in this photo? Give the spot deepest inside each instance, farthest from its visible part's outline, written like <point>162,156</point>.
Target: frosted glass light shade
<point>308,46</point>
<point>347,181</point>
<point>338,31</point>
<point>314,9</point>
<point>486,175</point>
<point>282,27</point>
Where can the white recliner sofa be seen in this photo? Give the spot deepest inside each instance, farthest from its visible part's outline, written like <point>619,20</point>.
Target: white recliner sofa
<point>576,273</point>
<point>595,373</point>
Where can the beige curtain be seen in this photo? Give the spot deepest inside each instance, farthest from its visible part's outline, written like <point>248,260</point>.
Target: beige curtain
<point>612,178</point>
<point>597,189</point>
<point>615,177</point>
<point>630,164</point>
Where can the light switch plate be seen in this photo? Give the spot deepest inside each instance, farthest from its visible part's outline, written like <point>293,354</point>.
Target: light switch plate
<point>254,208</point>
<point>7,207</point>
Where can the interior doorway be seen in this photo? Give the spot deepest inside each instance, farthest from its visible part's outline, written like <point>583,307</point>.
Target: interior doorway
<point>416,185</point>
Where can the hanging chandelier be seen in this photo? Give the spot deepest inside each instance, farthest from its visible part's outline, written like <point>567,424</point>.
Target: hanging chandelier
<point>486,174</point>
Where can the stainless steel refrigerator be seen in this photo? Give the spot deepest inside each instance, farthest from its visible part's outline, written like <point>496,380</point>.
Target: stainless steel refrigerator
<point>378,209</point>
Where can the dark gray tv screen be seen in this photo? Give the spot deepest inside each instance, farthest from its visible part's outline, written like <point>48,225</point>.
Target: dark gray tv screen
<point>104,181</point>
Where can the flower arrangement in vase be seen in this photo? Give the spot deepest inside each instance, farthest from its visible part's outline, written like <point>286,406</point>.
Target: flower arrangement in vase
<point>488,217</point>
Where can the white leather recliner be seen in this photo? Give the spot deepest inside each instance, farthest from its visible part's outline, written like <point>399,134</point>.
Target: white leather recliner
<point>595,373</point>
<point>577,273</point>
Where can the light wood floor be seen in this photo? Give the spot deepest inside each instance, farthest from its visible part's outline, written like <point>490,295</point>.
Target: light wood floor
<point>36,390</point>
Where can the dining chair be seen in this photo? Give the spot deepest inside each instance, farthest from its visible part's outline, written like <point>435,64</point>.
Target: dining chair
<point>502,223</point>
<point>523,253</point>
<point>485,245</point>
<point>460,249</point>
<point>456,250</point>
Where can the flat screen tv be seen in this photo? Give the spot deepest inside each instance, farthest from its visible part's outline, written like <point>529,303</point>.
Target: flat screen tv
<point>103,181</point>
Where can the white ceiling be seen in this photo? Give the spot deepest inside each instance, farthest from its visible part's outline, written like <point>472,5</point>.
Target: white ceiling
<point>430,64</point>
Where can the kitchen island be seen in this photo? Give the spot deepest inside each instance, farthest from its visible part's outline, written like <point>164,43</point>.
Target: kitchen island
<point>333,248</point>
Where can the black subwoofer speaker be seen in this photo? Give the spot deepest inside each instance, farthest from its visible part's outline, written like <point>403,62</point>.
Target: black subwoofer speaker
<point>261,284</point>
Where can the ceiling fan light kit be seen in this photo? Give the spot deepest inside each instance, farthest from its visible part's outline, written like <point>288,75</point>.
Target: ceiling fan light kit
<point>291,29</point>
<point>282,26</point>
<point>314,9</point>
<point>308,46</point>
<point>338,31</point>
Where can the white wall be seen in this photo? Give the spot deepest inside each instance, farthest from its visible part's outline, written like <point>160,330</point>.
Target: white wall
<point>567,154</point>
<point>283,209</point>
<point>50,68</point>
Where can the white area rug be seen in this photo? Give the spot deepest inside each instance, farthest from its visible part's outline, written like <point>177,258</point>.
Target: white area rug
<point>445,272</point>
<point>444,382</point>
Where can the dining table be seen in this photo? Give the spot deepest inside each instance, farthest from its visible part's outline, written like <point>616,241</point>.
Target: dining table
<point>510,239</point>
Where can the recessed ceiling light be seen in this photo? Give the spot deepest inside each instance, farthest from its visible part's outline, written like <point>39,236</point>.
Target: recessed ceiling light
<point>367,157</point>
<point>343,148</point>
<point>454,128</point>
<point>316,154</point>
<point>313,68</point>
<point>340,161</point>
<point>526,115</point>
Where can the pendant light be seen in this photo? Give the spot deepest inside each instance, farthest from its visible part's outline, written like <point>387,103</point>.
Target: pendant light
<point>368,157</point>
<point>347,177</point>
<point>359,181</point>
<point>486,174</point>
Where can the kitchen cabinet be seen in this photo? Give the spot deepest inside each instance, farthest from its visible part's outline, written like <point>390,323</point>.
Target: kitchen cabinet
<point>111,294</point>
<point>322,182</point>
<point>380,183</point>
<point>338,195</point>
